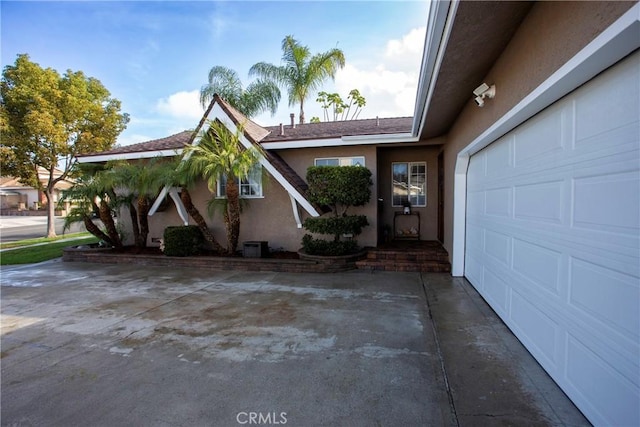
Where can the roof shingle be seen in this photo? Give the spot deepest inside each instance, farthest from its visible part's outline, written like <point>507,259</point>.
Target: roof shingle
<point>256,133</point>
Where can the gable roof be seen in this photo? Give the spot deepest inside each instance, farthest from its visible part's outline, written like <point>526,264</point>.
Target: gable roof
<point>169,143</point>
<point>264,135</point>
<point>339,129</point>
<point>261,136</point>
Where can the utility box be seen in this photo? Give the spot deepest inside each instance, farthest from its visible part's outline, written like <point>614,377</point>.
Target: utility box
<point>255,249</point>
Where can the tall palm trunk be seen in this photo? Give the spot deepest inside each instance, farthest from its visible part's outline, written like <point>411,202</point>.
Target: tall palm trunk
<point>233,209</point>
<point>95,230</point>
<point>104,211</point>
<point>301,111</point>
<point>143,220</point>
<point>133,214</point>
<point>200,222</point>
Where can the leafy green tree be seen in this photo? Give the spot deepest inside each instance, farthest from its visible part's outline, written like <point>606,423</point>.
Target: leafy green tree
<point>218,153</point>
<point>301,73</point>
<point>261,95</point>
<point>340,108</point>
<point>46,119</point>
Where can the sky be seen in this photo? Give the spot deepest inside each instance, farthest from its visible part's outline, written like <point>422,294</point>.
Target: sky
<point>155,56</point>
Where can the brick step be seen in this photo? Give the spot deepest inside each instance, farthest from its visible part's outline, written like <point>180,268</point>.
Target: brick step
<point>408,266</point>
<point>408,256</point>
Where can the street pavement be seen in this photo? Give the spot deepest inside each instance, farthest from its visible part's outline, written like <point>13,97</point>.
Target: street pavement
<point>124,345</point>
<point>13,228</point>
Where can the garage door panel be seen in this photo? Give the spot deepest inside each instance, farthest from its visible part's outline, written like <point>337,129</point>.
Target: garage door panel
<point>540,330</point>
<point>499,159</point>
<point>540,202</point>
<point>556,231</point>
<point>499,202</point>
<point>497,291</point>
<point>538,138</point>
<point>475,203</point>
<point>605,142</point>
<point>474,271</point>
<point>498,246</point>
<point>609,103</point>
<point>609,296</point>
<point>537,263</point>
<point>609,203</point>
<point>612,396</point>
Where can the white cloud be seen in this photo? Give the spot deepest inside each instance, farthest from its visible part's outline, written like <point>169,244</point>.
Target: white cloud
<point>389,84</point>
<point>181,105</point>
<point>407,51</point>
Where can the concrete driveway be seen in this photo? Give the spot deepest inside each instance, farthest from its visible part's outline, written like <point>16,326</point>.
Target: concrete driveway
<point>100,345</point>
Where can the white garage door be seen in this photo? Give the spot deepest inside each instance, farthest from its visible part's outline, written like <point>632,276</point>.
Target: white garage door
<point>553,240</point>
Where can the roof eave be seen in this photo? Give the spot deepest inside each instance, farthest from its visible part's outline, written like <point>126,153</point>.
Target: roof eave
<point>389,138</point>
<point>99,158</point>
<point>439,24</point>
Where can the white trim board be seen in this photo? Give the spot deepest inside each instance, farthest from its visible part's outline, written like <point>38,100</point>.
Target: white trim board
<point>617,41</point>
<point>390,138</point>
<point>129,156</point>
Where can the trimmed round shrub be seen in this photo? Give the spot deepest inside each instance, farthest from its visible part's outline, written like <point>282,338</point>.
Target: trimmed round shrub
<point>349,224</point>
<point>322,247</point>
<point>185,240</point>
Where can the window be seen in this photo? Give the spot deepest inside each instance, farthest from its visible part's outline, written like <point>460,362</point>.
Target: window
<point>340,161</point>
<point>248,188</point>
<point>409,183</point>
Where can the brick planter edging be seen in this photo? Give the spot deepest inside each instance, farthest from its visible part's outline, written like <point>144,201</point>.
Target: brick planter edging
<point>109,256</point>
<point>346,260</point>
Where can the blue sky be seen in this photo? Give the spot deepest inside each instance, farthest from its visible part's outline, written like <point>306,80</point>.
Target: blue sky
<point>155,56</point>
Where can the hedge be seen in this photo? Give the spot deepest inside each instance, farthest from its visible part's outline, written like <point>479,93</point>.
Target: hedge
<point>183,240</point>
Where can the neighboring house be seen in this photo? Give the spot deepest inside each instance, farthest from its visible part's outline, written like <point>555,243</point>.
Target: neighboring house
<point>536,195</point>
<point>15,195</point>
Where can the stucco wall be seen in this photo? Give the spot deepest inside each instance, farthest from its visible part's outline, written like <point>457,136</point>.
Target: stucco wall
<point>268,218</point>
<point>271,217</point>
<point>429,213</point>
<point>549,36</point>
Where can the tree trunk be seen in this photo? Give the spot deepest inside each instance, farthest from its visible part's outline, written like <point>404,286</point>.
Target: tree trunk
<point>51,213</point>
<point>95,230</point>
<point>233,218</point>
<point>302,111</point>
<point>143,219</point>
<point>133,214</point>
<point>105,216</point>
<point>200,222</point>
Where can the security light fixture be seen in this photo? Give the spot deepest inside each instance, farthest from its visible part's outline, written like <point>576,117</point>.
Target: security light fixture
<point>484,91</point>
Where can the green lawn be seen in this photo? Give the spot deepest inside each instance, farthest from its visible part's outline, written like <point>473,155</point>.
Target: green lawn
<point>50,249</point>
<point>27,242</point>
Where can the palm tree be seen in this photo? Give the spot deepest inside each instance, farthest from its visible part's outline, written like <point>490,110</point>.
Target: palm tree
<point>179,175</point>
<point>93,193</point>
<point>218,153</point>
<point>301,74</point>
<point>139,184</point>
<point>261,95</point>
